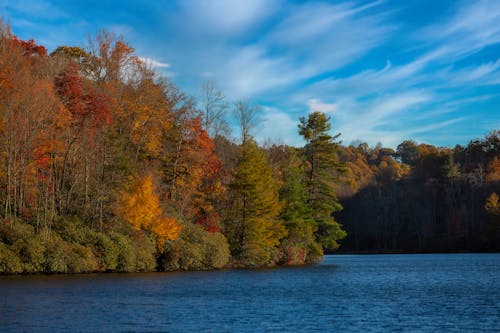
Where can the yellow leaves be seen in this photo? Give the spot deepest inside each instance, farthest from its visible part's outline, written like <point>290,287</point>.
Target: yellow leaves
<point>492,205</point>
<point>140,206</point>
<point>166,228</point>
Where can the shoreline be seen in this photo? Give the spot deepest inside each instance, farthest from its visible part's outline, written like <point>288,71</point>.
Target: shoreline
<point>230,268</point>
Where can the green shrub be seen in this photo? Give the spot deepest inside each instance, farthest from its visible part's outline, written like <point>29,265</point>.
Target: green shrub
<point>216,250</point>
<point>81,259</point>
<point>126,257</point>
<point>145,251</point>
<point>314,253</point>
<point>196,249</point>
<point>57,256</point>
<point>31,252</point>
<point>105,250</point>
<point>9,261</point>
<point>72,230</point>
<point>254,255</point>
<point>135,253</point>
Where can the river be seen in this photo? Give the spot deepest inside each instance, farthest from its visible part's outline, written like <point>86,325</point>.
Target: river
<point>344,293</point>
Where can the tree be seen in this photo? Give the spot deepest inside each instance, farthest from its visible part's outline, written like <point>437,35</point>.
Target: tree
<point>408,152</point>
<point>492,205</point>
<point>139,205</point>
<point>321,167</point>
<point>246,116</point>
<point>451,170</point>
<point>252,225</point>
<point>299,246</point>
<point>214,107</point>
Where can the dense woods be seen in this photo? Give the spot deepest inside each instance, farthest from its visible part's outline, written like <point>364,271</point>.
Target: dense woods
<point>107,166</point>
<point>421,198</point>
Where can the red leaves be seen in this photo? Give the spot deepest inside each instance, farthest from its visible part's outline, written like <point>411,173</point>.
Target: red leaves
<point>208,220</point>
<point>69,86</point>
<point>82,104</point>
<point>29,47</point>
<point>203,147</point>
<point>97,105</point>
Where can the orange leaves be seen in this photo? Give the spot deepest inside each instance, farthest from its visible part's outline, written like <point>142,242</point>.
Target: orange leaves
<point>194,170</point>
<point>493,170</point>
<point>140,206</point>
<point>166,228</point>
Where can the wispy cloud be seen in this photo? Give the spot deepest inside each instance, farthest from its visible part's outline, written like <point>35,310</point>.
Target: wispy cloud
<point>317,105</point>
<point>379,73</point>
<point>277,126</point>
<point>223,17</point>
<point>154,63</point>
<point>254,48</point>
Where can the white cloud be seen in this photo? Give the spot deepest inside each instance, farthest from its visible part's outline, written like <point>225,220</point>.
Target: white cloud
<point>317,105</point>
<point>303,56</point>
<point>325,37</point>
<point>277,126</point>
<point>154,63</point>
<point>257,48</point>
<point>434,126</point>
<point>376,120</point>
<point>486,73</point>
<point>225,17</point>
<point>473,27</point>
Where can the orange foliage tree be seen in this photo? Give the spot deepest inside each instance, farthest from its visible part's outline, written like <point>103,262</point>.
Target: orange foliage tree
<point>140,206</point>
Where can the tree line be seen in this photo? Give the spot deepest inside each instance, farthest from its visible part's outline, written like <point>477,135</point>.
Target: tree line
<point>107,166</point>
<point>421,198</point>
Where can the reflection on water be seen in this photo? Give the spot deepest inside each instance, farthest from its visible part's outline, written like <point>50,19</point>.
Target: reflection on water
<point>354,293</point>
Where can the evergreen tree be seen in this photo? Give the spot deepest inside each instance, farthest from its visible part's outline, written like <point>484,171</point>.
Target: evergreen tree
<point>321,166</point>
<point>252,225</point>
<point>300,245</point>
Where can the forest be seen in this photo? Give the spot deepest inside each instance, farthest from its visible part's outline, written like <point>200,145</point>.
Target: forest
<point>105,165</point>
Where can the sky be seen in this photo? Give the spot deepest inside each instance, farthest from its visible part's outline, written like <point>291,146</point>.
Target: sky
<point>384,71</point>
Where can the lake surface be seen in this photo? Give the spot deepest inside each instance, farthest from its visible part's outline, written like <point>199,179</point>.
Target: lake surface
<point>352,293</point>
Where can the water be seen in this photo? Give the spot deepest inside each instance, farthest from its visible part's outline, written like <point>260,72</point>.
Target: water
<point>353,293</point>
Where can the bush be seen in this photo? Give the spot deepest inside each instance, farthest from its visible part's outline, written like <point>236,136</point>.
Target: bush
<point>126,257</point>
<point>145,250</point>
<point>31,252</point>
<point>9,261</point>
<point>57,256</point>
<point>81,259</point>
<point>196,249</point>
<point>135,253</point>
<point>254,255</point>
<point>106,251</point>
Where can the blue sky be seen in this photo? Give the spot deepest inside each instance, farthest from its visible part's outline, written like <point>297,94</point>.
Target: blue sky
<point>385,71</point>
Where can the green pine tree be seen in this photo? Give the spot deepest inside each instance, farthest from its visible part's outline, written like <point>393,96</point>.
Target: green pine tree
<point>300,245</point>
<point>253,227</point>
<point>321,167</point>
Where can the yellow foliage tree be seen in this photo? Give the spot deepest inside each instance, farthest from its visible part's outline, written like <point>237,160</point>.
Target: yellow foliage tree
<point>492,205</point>
<point>141,208</point>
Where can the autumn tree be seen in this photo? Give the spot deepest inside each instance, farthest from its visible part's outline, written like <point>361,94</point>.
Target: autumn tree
<point>492,205</point>
<point>139,205</point>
